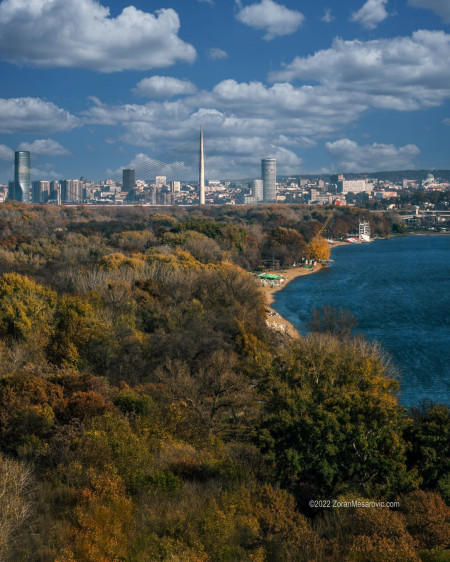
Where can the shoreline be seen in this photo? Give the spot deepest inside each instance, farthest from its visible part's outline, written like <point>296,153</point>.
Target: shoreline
<point>273,318</point>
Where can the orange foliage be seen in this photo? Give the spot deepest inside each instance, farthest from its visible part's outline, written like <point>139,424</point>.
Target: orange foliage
<point>427,518</point>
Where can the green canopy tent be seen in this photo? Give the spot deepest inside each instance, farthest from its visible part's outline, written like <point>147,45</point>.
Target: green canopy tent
<point>269,276</point>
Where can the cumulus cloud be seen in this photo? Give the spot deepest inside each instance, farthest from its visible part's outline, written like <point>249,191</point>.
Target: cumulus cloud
<point>243,122</point>
<point>275,19</point>
<point>164,87</point>
<point>45,173</point>
<point>440,7</point>
<point>402,73</point>
<point>354,158</point>
<point>45,147</point>
<point>6,153</point>
<point>328,16</point>
<point>371,14</point>
<point>81,33</point>
<point>215,53</point>
<point>34,115</point>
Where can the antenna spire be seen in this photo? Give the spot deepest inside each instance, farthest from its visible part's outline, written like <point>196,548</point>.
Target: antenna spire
<point>202,169</point>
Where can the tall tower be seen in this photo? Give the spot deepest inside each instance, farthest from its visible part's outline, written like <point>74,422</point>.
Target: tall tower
<point>128,180</point>
<point>269,178</point>
<point>22,183</point>
<point>202,170</point>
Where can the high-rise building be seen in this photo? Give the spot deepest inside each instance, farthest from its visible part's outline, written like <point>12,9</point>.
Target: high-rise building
<point>258,193</point>
<point>40,191</point>
<point>22,176</point>
<point>11,189</point>
<point>128,179</point>
<point>55,192</point>
<point>71,191</point>
<point>269,179</point>
<point>175,186</point>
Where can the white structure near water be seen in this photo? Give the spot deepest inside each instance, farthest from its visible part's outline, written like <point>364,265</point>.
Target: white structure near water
<point>364,231</point>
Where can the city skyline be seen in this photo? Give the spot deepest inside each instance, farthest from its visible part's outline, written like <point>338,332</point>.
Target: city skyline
<point>322,88</point>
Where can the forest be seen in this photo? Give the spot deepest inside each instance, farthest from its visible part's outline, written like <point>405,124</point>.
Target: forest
<point>148,412</point>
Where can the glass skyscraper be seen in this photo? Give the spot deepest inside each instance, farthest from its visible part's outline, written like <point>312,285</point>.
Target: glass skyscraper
<point>22,184</point>
<point>128,179</point>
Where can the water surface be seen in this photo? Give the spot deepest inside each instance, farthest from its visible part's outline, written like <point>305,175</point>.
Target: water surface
<point>399,289</point>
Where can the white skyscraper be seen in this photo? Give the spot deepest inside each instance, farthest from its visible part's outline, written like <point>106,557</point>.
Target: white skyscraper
<point>269,178</point>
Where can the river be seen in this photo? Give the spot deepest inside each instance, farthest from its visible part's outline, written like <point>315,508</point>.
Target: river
<point>399,290</point>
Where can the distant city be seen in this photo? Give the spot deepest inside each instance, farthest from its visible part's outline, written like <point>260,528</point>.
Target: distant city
<point>334,190</point>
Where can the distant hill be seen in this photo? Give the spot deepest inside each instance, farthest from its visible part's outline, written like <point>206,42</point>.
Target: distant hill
<point>395,176</point>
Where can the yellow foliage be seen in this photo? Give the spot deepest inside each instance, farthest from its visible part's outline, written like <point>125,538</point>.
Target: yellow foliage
<point>319,249</point>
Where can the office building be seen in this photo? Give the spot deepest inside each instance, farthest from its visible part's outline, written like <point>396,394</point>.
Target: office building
<point>269,179</point>
<point>351,186</point>
<point>22,185</point>
<point>128,179</point>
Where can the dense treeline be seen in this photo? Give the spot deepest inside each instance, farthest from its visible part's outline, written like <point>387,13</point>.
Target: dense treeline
<point>148,413</point>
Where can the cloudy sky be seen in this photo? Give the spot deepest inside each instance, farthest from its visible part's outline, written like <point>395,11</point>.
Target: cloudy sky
<point>322,86</point>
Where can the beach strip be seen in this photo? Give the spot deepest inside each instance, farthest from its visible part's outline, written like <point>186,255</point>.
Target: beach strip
<point>274,320</point>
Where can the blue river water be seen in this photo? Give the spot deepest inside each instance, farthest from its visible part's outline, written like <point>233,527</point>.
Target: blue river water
<point>399,290</point>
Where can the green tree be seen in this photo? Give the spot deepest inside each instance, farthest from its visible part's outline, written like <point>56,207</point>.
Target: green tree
<point>429,445</point>
<point>332,418</point>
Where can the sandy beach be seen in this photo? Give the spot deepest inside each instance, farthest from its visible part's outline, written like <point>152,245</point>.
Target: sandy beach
<point>274,319</point>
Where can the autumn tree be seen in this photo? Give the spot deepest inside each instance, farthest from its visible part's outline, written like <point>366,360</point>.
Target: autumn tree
<point>15,502</point>
<point>319,249</point>
<point>427,519</point>
<point>216,394</point>
<point>26,308</point>
<point>334,321</point>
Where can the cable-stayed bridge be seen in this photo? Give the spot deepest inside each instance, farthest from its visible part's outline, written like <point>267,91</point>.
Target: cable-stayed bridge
<point>181,163</point>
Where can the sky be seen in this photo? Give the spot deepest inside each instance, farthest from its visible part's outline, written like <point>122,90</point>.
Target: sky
<point>324,87</point>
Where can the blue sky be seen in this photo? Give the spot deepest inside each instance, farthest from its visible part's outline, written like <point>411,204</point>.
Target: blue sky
<point>323,86</point>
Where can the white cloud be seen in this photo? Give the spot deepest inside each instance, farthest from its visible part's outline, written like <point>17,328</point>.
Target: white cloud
<point>34,115</point>
<point>6,153</point>
<point>215,53</point>
<point>275,19</point>
<point>147,168</point>
<point>371,14</point>
<point>328,16</point>
<point>211,2</point>
<point>45,174</point>
<point>440,7</point>
<point>374,157</point>
<point>243,122</point>
<point>402,73</point>
<point>81,33</point>
<point>446,122</point>
<point>164,87</point>
<point>44,147</point>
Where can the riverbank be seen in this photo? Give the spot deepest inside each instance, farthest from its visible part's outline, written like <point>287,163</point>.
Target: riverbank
<point>274,319</point>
